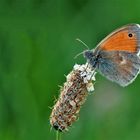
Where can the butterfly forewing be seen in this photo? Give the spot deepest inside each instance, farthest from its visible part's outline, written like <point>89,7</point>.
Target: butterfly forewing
<point>126,39</point>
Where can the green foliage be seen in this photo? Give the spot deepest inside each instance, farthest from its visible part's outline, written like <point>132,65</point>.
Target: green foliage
<point>37,46</point>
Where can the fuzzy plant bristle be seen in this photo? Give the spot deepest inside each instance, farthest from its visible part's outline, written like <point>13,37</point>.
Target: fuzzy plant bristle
<point>72,96</point>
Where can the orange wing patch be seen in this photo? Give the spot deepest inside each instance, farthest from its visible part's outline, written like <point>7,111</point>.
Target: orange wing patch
<point>120,41</point>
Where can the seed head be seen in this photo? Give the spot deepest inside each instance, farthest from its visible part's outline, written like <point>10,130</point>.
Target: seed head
<point>72,96</point>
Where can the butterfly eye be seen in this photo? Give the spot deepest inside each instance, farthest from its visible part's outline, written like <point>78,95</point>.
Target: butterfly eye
<point>130,35</point>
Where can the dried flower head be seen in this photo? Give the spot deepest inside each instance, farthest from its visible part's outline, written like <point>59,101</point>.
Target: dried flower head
<point>72,96</point>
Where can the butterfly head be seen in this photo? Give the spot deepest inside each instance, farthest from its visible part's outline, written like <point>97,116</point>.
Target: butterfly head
<point>88,54</point>
<point>92,57</point>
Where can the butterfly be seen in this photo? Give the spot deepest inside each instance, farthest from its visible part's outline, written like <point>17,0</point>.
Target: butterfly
<point>117,57</point>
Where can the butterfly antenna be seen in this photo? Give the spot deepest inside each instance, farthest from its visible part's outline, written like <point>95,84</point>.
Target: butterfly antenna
<point>78,54</point>
<point>77,39</point>
<point>82,51</point>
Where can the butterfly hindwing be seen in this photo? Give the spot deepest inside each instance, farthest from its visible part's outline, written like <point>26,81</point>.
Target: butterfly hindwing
<point>120,67</point>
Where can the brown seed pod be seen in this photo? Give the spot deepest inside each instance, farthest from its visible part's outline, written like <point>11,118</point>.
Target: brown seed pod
<point>72,96</point>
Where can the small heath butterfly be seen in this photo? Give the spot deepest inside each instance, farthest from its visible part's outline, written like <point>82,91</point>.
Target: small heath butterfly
<point>117,57</point>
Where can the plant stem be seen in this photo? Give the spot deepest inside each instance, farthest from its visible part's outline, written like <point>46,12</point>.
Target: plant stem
<point>58,135</point>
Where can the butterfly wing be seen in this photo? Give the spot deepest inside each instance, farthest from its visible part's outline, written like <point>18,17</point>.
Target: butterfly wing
<point>118,66</point>
<point>126,38</point>
<point>119,55</point>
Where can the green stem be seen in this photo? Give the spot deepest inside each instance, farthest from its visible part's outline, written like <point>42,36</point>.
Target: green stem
<point>58,135</point>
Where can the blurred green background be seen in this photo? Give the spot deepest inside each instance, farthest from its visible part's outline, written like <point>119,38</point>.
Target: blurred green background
<point>37,46</point>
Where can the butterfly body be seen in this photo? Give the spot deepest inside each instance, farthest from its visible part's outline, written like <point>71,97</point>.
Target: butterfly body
<point>117,56</point>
